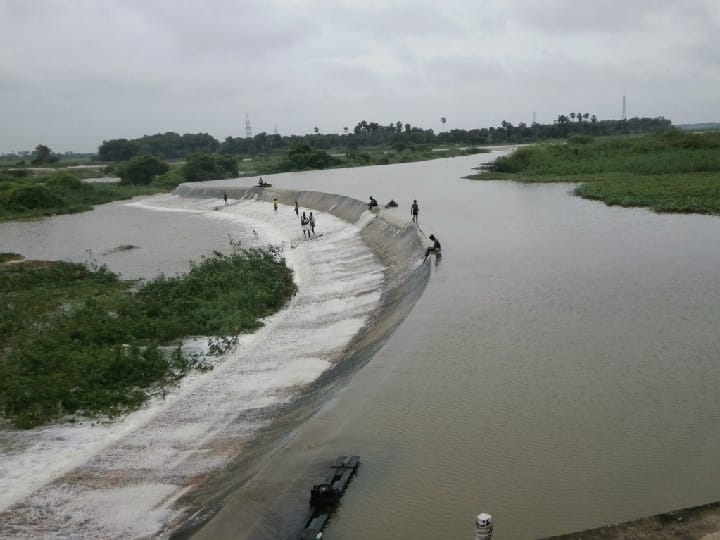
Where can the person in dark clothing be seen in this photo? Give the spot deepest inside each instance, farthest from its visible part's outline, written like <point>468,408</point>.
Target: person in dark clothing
<point>225,197</point>
<point>373,203</point>
<point>297,212</point>
<point>414,210</point>
<point>435,248</point>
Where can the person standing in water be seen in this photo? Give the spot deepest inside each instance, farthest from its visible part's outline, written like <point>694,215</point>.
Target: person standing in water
<point>304,223</point>
<point>225,197</point>
<point>296,209</point>
<point>311,222</point>
<point>275,205</point>
<point>414,210</point>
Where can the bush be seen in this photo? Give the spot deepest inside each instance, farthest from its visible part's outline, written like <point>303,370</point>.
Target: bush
<point>200,167</point>
<point>580,138</point>
<point>142,169</point>
<point>29,197</point>
<point>67,181</point>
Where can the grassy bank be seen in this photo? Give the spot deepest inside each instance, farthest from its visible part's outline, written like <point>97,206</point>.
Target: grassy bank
<point>673,171</point>
<point>79,341</point>
<point>26,195</point>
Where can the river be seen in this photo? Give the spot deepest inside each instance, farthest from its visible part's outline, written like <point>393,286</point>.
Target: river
<point>559,371</point>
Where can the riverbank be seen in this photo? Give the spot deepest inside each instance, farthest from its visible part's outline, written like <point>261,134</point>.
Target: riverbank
<point>106,343</point>
<point>169,463</point>
<point>696,523</point>
<point>672,171</point>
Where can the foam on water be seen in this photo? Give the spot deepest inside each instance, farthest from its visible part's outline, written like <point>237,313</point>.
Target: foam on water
<point>124,478</point>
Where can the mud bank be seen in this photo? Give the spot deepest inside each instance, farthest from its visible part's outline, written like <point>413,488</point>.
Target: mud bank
<point>696,523</point>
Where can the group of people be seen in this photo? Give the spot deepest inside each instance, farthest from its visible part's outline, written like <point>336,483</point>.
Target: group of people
<point>435,247</point>
<point>307,222</point>
<point>308,225</point>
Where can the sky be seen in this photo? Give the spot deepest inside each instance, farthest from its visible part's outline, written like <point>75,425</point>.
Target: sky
<point>76,72</point>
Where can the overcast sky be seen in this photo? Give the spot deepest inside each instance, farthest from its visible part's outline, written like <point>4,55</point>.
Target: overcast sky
<point>76,72</point>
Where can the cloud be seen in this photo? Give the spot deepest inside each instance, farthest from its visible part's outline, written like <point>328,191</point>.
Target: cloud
<point>85,70</point>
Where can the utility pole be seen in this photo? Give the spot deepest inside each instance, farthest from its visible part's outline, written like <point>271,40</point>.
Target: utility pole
<point>248,128</point>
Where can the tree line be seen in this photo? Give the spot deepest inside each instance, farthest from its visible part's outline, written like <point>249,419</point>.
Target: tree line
<point>175,146</point>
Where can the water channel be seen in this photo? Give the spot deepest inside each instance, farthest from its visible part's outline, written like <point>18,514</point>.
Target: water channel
<point>560,371</point>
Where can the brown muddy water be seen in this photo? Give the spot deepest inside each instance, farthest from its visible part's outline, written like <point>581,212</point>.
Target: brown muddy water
<point>560,371</point>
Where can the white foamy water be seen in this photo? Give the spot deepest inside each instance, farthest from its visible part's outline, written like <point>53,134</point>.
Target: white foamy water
<point>122,479</point>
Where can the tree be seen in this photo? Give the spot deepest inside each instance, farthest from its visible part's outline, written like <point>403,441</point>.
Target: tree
<point>345,130</point>
<point>141,170</point>
<point>316,130</point>
<point>443,120</point>
<point>118,150</point>
<point>200,167</point>
<point>43,155</point>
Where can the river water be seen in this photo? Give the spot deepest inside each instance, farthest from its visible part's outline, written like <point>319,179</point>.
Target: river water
<point>560,371</point>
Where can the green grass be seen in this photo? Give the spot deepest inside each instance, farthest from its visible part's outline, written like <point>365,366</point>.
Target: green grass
<point>78,341</point>
<point>667,172</point>
<point>31,196</point>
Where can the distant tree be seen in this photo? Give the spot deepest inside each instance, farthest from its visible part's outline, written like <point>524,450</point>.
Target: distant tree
<point>43,155</point>
<point>586,115</point>
<point>443,120</point>
<point>572,115</point>
<point>345,130</point>
<point>594,119</point>
<point>316,130</point>
<point>141,170</point>
<point>118,150</point>
<point>200,167</point>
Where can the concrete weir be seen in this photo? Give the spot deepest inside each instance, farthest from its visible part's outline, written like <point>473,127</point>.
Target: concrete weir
<point>398,245</point>
<point>696,523</point>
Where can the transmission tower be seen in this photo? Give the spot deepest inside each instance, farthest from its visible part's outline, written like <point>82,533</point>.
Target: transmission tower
<point>624,116</point>
<point>248,128</point>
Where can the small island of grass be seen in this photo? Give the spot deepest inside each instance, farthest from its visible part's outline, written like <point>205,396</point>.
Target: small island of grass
<point>80,342</point>
<point>672,171</point>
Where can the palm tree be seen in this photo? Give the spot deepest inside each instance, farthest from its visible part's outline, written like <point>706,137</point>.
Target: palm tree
<point>572,115</point>
<point>345,129</point>
<point>443,120</point>
<point>316,130</point>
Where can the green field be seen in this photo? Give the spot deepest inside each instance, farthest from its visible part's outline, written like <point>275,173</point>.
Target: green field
<point>673,171</point>
<point>78,341</point>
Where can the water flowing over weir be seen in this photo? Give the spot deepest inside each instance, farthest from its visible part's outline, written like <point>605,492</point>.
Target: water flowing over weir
<point>169,467</point>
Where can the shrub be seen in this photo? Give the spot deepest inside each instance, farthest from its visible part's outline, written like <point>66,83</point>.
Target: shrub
<point>141,170</point>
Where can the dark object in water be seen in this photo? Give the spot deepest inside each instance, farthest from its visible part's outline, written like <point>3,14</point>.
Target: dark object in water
<point>264,184</point>
<point>391,204</point>
<point>325,495</point>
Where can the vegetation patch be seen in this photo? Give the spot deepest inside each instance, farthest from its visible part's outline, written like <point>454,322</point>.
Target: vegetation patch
<point>6,257</point>
<point>78,341</point>
<point>672,171</point>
